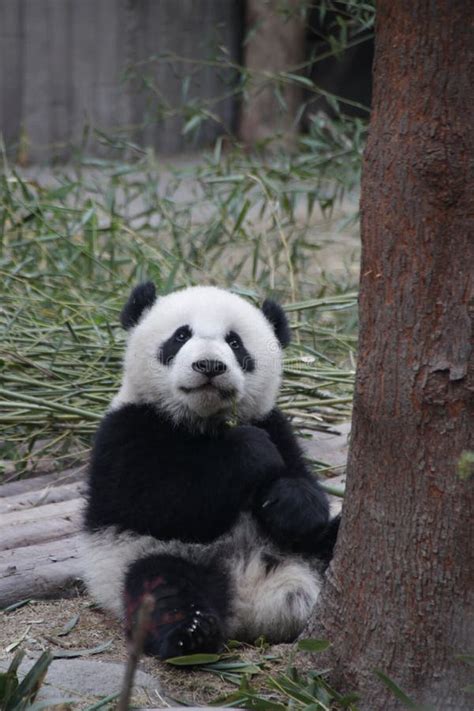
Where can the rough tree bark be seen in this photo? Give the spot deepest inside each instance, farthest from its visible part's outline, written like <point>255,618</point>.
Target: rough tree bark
<point>399,592</point>
<point>276,43</point>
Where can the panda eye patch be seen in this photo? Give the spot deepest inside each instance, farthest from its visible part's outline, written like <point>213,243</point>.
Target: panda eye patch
<point>244,359</point>
<point>182,335</point>
<point>234,341</point>
<point>171,347</point>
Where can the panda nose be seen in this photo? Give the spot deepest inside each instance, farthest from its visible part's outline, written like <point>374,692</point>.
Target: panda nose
<point>211,368</point>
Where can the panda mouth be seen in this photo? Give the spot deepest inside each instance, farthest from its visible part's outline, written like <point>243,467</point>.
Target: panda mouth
<point>209,387</point>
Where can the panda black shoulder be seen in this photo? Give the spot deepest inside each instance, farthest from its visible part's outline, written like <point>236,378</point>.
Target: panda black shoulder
<point>127,423</point>
<point>119,462</point>
<point>123,442</point>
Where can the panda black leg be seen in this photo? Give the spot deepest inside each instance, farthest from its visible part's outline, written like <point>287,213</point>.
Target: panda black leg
<point>190,605</point>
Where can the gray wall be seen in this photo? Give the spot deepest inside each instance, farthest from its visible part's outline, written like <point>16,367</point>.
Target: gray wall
<point>63,66</point>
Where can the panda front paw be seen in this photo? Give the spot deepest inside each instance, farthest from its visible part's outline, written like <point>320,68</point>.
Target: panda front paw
<point>293,511</point>
<point>258,454</point>
<point>200,631</point>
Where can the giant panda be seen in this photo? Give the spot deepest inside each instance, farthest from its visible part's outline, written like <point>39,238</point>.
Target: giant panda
<point>198,490</point>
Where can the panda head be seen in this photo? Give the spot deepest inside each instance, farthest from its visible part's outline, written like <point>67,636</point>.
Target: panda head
<point>202,354</point>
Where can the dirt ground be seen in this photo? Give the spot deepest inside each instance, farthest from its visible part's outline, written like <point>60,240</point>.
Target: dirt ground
<point>36,625</point>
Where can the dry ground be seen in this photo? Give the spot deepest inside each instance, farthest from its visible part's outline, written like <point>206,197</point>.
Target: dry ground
<point>37,625</point>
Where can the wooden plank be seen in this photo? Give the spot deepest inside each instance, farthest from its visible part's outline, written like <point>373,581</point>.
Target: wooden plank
<point>53,526</point>
<point>38,571</point>
<point>40,532</point>
<point>51,522</point>
<point>51,494</point>
<point>39,513</point>
<point>21,486</point>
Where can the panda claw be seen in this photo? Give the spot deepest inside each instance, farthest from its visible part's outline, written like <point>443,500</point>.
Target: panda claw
<point>199,633</point>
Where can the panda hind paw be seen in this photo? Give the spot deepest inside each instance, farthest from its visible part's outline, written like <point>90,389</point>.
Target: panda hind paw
<point>199,632</point>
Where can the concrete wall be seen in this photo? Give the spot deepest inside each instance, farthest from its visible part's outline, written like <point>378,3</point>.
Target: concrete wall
<point>67,64</point>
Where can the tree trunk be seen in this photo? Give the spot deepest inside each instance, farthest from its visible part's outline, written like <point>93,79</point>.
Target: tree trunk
<point>399,592</point>
<point>276,43</point>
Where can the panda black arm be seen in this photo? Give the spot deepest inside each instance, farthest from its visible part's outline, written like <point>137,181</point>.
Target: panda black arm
<point>281,433</point>
<point>150,477</point>
<point>294,509</point>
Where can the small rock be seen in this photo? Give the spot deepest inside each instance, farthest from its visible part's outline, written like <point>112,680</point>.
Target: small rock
<point>84,679</point>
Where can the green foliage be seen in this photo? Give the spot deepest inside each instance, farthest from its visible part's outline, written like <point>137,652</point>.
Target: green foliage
<point>466,465</point>
<point>399,694</point>
<point>313,645</point>
<point>345,18</point>
<point>343,24</point>
<point>72,246</point>
<point>73,243</point>
<point>194,660</point>
<point>291,689</point>
<point>260,687</point>
<point>16,695</point>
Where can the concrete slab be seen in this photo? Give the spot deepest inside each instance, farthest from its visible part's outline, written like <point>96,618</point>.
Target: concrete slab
<point>87,680</point>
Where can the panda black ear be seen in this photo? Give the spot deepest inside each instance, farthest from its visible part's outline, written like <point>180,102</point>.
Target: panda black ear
<point>142,297</point>
<point>277,317</point>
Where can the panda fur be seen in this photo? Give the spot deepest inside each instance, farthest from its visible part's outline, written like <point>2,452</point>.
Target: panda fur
<point>222,523</point>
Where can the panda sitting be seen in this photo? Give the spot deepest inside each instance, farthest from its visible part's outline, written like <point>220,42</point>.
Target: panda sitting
<point>222,523</point>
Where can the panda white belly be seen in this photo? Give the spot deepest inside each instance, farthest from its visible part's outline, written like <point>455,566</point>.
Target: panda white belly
<point>272,594</point>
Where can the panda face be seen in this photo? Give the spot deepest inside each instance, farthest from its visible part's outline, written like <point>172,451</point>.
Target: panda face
<point>200,354</point>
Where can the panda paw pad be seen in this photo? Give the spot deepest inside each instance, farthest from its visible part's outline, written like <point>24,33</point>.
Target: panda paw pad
<point>200,632</point>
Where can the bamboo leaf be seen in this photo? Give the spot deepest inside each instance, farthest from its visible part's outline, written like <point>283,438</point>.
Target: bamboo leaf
<point>396,691</point>
<point>468,658</point>
<point>29,686</point>
<point>103,702</point>
<point>69,626</point>
<point>70,653</point>
<point>16,605</point>
<point>60,704</point>
<point>194,659</point>
<point>313,645</point>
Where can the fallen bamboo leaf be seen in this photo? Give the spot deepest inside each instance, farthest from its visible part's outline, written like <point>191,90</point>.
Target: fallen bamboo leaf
<point>191,659</point>
<point>16,605</point>
<point>18,641</point>
<point>68,626</point>
<point>313,645</point>
<point>70,653</point>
